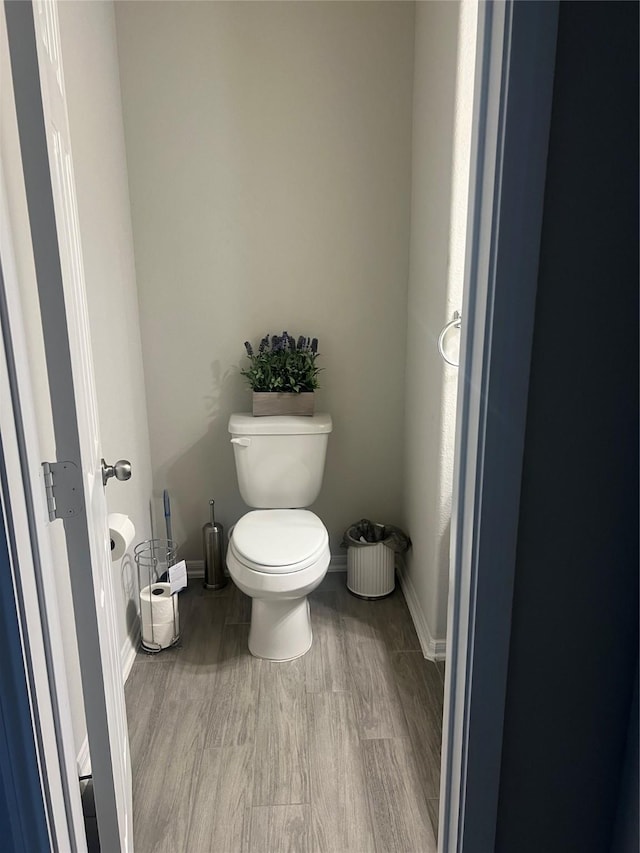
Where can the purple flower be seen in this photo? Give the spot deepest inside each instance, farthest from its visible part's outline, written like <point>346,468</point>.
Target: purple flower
<point>283,363</point>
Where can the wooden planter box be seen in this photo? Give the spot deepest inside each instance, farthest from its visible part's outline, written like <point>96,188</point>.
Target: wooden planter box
<point>274,403</point>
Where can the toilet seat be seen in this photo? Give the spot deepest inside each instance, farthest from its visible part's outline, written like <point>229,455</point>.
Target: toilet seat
<point>279,541</point>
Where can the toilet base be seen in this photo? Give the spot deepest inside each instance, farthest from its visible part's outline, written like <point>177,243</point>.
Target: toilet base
<point>280,629</point>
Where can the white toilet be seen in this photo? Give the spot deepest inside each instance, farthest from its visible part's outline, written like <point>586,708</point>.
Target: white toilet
<point>279,552</point>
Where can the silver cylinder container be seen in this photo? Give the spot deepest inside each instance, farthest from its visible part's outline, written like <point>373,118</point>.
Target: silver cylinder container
<point>213,548</point>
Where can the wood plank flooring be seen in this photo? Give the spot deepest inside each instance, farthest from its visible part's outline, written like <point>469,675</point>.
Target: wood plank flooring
<point>336,752</point>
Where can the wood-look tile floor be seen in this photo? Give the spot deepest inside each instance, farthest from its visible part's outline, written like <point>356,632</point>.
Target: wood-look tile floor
<point>336,751</point>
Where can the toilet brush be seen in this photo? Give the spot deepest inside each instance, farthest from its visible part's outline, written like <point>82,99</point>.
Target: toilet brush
<point>213,547</point>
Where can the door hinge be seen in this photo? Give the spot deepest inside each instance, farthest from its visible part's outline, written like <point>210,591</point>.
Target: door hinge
<point>63,485</point>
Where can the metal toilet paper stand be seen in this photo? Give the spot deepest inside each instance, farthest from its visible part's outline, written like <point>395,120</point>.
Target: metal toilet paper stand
<point>153,558</point>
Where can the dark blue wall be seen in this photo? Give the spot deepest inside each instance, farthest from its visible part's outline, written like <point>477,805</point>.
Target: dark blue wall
<point>574,644</point>
<point>22,818</point>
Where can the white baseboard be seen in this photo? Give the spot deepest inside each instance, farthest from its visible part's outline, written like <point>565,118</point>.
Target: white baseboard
<point>195,568</point>
<point>338,563</point>
<point>128,655</point>
<point>432,649</point>
<point>84,760</point>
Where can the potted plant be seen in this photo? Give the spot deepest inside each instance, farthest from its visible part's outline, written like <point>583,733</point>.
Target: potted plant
<point>283,375</point>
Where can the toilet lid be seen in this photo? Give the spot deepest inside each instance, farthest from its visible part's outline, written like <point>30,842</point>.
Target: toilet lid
<point>279,540</point>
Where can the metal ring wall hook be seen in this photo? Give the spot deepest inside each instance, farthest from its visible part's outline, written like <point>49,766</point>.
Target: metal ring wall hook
<point>454,324</point>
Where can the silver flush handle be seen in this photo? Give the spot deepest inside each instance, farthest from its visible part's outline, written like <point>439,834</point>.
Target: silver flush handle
<point>243,442</point>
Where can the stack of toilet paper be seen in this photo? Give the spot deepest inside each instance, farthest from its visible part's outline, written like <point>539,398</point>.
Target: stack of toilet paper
<point>159,615</point>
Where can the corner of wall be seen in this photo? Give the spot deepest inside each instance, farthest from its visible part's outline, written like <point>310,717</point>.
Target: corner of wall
<point>432,648</point>
<point>444,48</point>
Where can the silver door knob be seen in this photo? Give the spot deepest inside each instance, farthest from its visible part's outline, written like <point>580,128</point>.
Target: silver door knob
<point>121,470</point>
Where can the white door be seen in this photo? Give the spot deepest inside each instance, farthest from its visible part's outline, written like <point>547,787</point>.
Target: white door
<point>48,171</point>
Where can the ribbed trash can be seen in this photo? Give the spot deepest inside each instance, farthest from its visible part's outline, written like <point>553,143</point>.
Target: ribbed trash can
<point>370,567</point>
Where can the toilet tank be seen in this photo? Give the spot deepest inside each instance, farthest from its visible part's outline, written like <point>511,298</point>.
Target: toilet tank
<point>280,459</point>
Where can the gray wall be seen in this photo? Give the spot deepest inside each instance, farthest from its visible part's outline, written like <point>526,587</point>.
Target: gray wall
<point>269,155</point>
<point>574,643</point>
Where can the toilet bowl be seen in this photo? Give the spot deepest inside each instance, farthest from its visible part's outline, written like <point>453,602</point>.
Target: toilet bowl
<point>277,557</point>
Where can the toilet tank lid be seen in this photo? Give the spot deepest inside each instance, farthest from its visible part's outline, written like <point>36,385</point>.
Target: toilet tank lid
<point>244,423</point>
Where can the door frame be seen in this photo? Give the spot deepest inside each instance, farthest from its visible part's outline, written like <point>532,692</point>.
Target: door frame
<point>512,113</point>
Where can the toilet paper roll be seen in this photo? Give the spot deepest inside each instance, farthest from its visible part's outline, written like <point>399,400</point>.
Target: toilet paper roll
<point>157,605</point>
<point>159,635</point>
<point>158,608</point>
<point>121,531</point>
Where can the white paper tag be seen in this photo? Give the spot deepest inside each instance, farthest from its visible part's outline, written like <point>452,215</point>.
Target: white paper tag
<point>178,576</point>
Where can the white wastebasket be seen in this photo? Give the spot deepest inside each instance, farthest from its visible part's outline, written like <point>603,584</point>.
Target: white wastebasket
<point>370,569</point>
